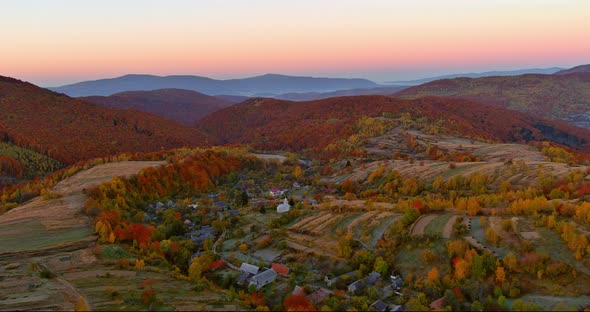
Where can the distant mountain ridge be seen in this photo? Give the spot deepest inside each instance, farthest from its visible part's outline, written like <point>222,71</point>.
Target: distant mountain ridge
<point>577,69</point>
<point>310,96</point>
<point>184,106</point>
<point>265,85</point>
<point>545,71</point>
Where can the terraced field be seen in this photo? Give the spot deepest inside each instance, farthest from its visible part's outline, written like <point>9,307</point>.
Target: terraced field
<point>317,233</point>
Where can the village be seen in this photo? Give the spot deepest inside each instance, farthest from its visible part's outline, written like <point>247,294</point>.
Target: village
<point>244,224</point>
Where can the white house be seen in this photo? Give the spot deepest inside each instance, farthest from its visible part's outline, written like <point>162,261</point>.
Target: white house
<point>284,207</point>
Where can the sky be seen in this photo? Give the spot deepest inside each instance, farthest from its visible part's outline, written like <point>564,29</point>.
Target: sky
<point>55,42</point>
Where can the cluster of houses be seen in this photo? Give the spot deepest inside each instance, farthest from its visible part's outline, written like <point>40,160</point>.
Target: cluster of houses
<point>252,275</point>
<point>359,285</point>
<point>199,236</point>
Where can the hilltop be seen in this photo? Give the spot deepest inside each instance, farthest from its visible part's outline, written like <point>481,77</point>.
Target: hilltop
<point>546,71</point>
<point>577,69</point>
<point>71,130</point>
<point>564,97</point>
<point>277,125</point>
<point>184,106</point>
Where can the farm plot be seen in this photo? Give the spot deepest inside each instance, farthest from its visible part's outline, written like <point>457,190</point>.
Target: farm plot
<point>478,239</point>
<point>421,223</point>
<point>552,245</point>
<point>369,227</point>
<point>437,226</point>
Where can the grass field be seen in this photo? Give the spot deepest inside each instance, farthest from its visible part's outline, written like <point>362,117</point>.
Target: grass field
<point>436,226</point>
<point>552,245</point>
<point>30,234</point>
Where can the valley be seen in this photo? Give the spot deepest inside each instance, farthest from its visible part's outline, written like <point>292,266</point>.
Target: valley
<point>345,203</point>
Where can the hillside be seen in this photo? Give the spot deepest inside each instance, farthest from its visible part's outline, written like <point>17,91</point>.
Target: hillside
<point>184,106</point>
<point>277,124</point>
<point>70,130</point>
<point>564,97</point>
<point>545,71</point>
<point>264,85</point>
<point>577,69</point>
<point>310,96</point>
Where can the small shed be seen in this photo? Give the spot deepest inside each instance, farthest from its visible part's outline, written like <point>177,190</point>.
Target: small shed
<point>281,269</point>
<point>249,268</point>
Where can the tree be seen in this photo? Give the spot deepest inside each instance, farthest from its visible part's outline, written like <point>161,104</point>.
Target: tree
<point>81,305</point>
<point>200,264</point>
<point>139,264</point>
<point>461,268</point>
<point>345,246</point>
<point>148,296</point>
<point>500,275</point>
<point>297,303</point>
<point>433,276</point>
<point>418,303</point>
<point>243,199</point>
<point>298,173</point>
<point>380,266</point>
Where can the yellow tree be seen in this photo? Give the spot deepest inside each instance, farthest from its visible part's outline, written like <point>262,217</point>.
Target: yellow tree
<point>298,173</point>
<point>345,246</point>
<point>461,269</point>
<point>433,276</point>
<point>500,275</point>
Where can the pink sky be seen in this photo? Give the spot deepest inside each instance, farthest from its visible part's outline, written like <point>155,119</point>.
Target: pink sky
<point>56,42</point>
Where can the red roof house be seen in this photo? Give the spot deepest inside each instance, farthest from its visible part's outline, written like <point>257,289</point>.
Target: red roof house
<point>281,269</point>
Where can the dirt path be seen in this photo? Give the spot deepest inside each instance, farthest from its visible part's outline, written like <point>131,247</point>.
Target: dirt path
<point>71,291</point>
<point>420,225</point>
<point>449,227</point>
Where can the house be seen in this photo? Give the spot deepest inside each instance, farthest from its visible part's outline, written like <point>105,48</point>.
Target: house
<point>318,296</point>
<point>438,304</point>
<point>159,205</point>
<point>199,236</point>
<point>220,204</point>
<point>249,268</point>
<point>361,284</point>
<point>397,308</point>
<point>298,291</point>
<point>379,306</point>
<point>217,264</point>
<point>296,185</point>
<point>396,282</point>
<point>234,212</point>
<point>284,207</point>
<point>194,206</point>
<point>243,278</point>
<point>311,202</point>
<point>281,269</point>
<point>348,275</point>
<point>261,279</point>
<point>276,192</point>
<point>170,204</point>
<point>187,222</point>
